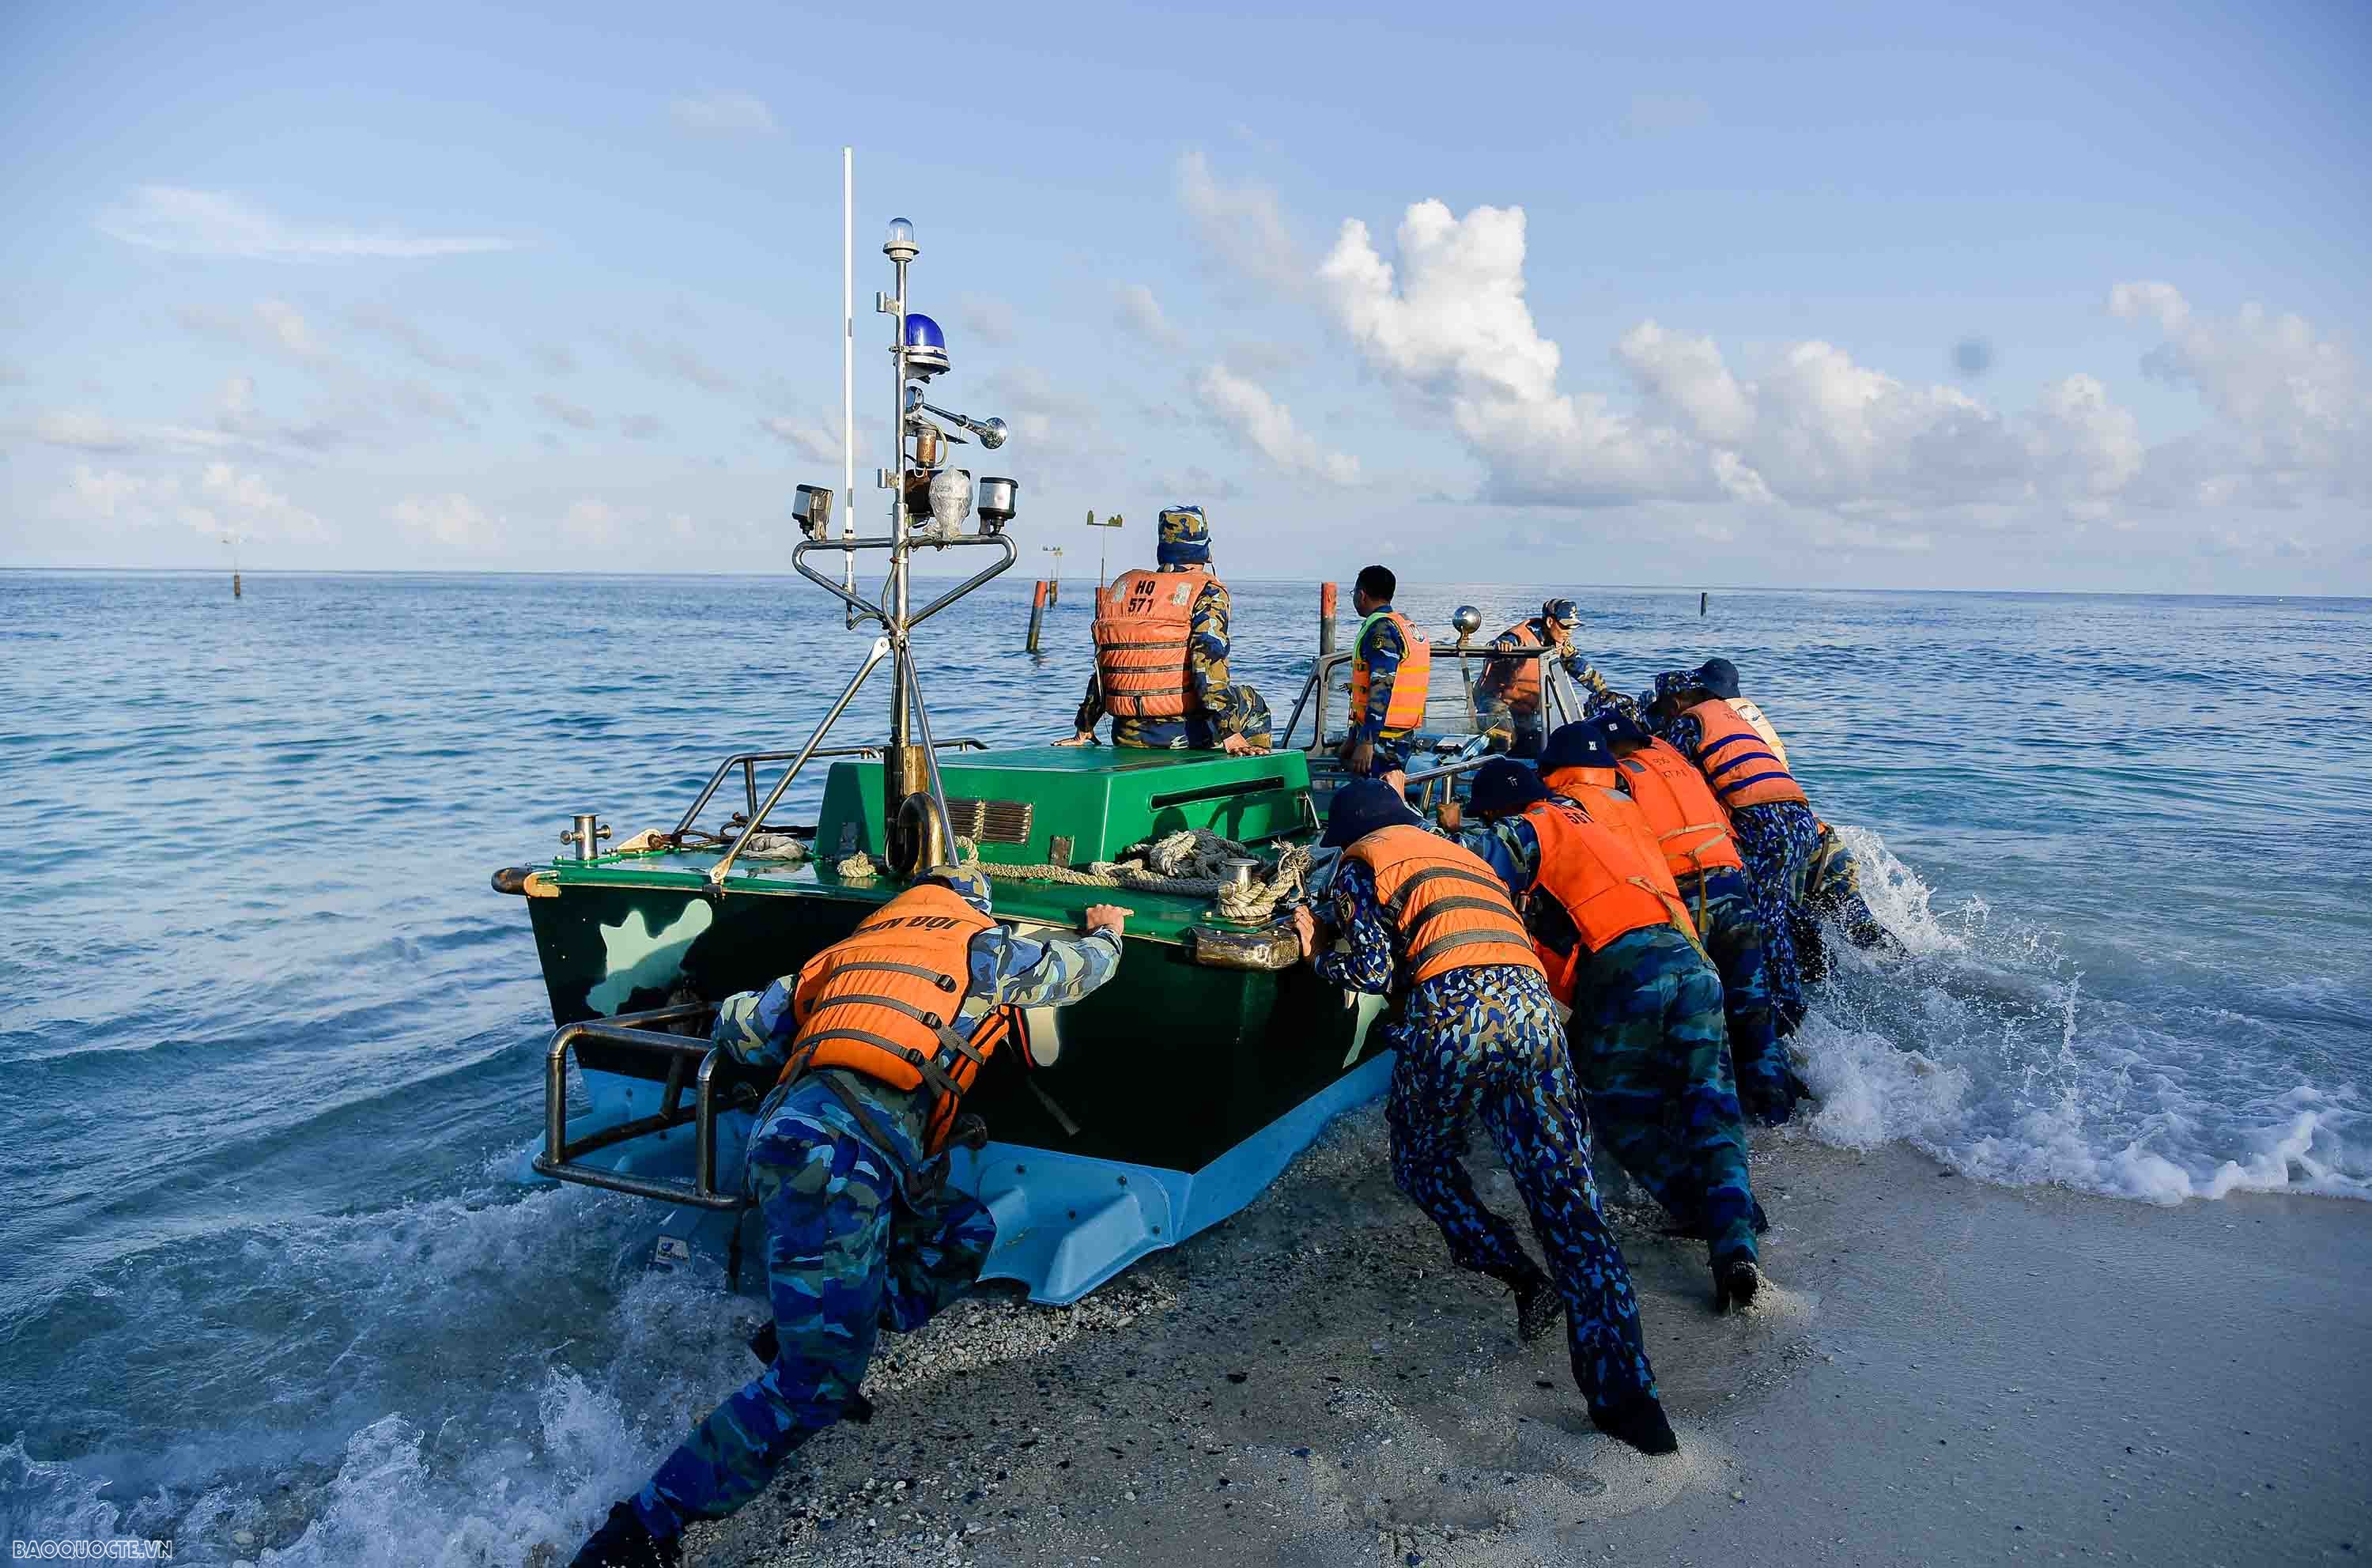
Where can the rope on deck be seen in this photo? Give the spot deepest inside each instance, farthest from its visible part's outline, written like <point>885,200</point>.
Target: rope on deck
<point>1188,864</point>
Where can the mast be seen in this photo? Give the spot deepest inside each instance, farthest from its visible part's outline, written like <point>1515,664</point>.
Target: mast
<point>848,369</point>
<point>905,767</point>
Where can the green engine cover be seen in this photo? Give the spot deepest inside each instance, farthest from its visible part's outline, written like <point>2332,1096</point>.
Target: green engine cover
<point>1015,804</point>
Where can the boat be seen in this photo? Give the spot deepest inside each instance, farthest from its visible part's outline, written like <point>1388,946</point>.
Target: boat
<point>1156,1108</point>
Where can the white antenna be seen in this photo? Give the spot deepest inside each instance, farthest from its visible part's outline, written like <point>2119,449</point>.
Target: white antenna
<point>848,369</point>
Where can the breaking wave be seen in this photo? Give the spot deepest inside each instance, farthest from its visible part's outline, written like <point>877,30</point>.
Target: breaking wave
<point>499,1369</point>
<point>1982,1043</point>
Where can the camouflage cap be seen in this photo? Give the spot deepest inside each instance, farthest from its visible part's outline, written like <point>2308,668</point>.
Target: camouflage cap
<point>968,883</point>
<point>1185,537</point>
<point>1562,610</point>
<point>1677,683</point>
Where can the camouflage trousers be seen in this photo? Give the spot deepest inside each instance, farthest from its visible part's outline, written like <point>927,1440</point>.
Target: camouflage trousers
<point>847,1254</point>
<point>1246,714</point>
<point>1649,1045</point>
<point>1483,1042</point>
<point>1832,893</point>
<point>1777,842</point>
<point>1721,901</point>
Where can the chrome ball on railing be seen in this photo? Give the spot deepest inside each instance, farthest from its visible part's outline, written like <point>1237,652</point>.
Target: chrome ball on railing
<point>1467,619</point>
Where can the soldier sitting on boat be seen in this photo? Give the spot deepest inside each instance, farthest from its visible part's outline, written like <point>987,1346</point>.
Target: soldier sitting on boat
<point>1161,655</point>
<point>1509,691</point>
<point>878,1036</point>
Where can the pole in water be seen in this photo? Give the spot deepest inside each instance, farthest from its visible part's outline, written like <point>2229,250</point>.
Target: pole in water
<point>1325,619</point>
<point>234,586</point>
<point>1054,583</point>
<point>1037,613</point>
<point>1702,597</point>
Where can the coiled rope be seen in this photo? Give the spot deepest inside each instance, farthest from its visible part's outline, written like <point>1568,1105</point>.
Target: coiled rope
<point>1190,862</point>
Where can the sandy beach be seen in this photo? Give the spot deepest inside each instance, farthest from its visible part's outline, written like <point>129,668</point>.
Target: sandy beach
<point>1944,1372</point>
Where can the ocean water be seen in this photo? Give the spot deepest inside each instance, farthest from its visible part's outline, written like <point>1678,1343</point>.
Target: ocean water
<point>272,1045</point>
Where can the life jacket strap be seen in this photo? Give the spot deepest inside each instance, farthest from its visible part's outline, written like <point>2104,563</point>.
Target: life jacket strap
<point>863,999</point>
<point>1456,939</point>
<point>944,981</point>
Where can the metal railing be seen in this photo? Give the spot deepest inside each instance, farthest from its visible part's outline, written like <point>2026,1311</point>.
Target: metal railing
<point>686,1059</point>
<point>1559,704</point>
<point>748,762</point>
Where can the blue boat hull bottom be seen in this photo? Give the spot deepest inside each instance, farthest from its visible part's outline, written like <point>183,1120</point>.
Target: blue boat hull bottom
<point>1064,1222</point>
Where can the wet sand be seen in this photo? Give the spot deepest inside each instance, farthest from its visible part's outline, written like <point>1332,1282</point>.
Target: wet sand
<point>1944,1371</point>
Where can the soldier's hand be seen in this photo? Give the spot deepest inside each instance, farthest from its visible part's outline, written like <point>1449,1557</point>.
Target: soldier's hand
<point>1107,917</point>
<point>1450,815</point>
<point>1084,737</point>
<point>1304,929</point>
<point>1361,759</point>
<point>1234,746</point>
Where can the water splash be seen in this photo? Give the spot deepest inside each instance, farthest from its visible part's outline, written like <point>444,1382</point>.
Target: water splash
<point>1982,1043</point>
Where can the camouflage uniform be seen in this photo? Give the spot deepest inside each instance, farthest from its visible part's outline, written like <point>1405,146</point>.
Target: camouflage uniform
<point>1833,892</point>
<point>853,1245</point>
<point>1731,926</point>
<point>1219,707</point>
<point>1650,1044</point>
<point>1522,728</point>
<point>1483,1041</point>
<point>1777,841</point>
<point>1222,707</point>
<point>1381,647</point>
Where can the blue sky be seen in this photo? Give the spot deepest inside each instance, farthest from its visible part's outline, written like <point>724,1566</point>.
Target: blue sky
<point>1875,295</point>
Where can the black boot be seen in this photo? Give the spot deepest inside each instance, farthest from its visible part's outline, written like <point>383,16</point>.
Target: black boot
<point>622,1541</point>
<point>1538,1304</point>
<point>1639,1423</point>
<point>1734,1284</point>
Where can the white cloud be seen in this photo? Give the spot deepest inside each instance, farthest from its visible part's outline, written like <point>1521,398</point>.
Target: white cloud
<point>242,502</point>
<point>724,112</point>
<point>2291,408</point>
<point>591,521</point>
<point>1243,225</point>
<point>451,520</point>
<point>274,326</point>
<point>213,223</point>
<point>642,426</point>
<point>566,413</point>
<point>1246,408</point>
<point>985,316</point>
<point>1142,313</point>
<point>815,440</point>
<point>224,500</point>
<point>1448,322</point>
<point>83,430</point>
<point>393,324</point>
<point>676,361</point>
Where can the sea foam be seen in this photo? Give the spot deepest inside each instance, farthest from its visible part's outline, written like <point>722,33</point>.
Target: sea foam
<point>1980,1043</point>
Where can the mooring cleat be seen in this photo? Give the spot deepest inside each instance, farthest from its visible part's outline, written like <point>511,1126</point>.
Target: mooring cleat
<point>1538,1304</point>
<point>1734,1284</point>
<point>1640,1423</point>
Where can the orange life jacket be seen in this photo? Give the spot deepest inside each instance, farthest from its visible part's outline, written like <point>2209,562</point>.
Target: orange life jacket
<point>1741,769</point>
<point>1607,883</point>
<point>1691,828</point>
<point>1762,726</point>
<point>1598,792</point>
<point>1143,624</point>
<point>1517,680</point>
<point>1452,911</point>
<point>1406,710</point>
<point>882,1000</point>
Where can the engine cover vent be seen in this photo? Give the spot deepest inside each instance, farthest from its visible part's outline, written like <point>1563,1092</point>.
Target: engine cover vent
<point>991,822</point>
